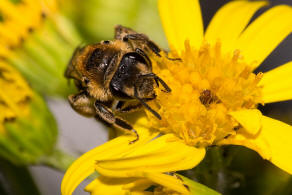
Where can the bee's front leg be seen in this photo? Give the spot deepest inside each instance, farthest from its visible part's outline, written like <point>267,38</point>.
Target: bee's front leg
<point>108,116</point>
<point>143,42</point>
<point>157,80</point>
<point>129,108</point>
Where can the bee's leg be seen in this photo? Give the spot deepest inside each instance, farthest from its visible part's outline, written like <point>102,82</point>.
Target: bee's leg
<point>157,80</point>
<point>179,178</point>
<point>108,116</point>
<point>143,42</point>
<point>154,47</point>
<point>172,59</point>
<point>122,108</point>
<point>129,35</point>
<point>120,105</point>
<point>143,54</point>
<point>143,102</point>
<point>122,31</point>
<point>82,104</point>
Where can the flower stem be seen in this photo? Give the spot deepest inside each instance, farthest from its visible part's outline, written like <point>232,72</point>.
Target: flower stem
<point>58,160</point>
<point>15,179</point>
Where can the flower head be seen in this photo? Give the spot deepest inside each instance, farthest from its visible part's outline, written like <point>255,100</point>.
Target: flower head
<point>206,87</point>
<point>38,40</point>
<point>20,19</point>
<point>14,97</point>
<point>215,92</point>
<point>27,129</point>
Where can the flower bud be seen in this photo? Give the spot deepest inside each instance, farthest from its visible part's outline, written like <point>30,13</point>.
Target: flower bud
<point>28,130</point>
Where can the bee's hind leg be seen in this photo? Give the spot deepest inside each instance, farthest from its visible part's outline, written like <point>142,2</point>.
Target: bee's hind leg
<point>108,116</point>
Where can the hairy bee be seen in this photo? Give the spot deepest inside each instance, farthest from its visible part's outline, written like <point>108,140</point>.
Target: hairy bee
<point>115,76</point>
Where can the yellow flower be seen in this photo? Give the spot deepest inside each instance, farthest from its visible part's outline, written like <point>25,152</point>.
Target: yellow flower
<point>215,92</point>
<point>38,40</point>
<point>28,131</point>
<point>20,19</point>
<point>14,97</point>
<point>214,98</point>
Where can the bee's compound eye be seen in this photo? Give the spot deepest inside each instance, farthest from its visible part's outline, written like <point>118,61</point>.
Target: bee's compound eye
<point>106,42</point>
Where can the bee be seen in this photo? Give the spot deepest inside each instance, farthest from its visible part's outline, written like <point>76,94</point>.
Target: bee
<point>115,77</point>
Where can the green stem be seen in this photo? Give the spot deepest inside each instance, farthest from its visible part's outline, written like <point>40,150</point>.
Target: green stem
<point>58,160</point>
<point>16,180</point>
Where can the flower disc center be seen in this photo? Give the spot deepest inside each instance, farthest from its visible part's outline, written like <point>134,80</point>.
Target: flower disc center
<point>206,85</point>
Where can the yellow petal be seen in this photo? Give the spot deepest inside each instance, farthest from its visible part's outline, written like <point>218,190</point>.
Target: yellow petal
<point>113,186</point>
<point>159,155</point>
<point>250,119</point>
<point>168,181</point>
<point>277,84</point>
<point>138,184</point>
<point>5,51</point>
<point>273,142</point>
<point>230,21</point>
<point>181,21</point>
<point>84,166</point>
<point>134,186</point>
<point>264,34</point>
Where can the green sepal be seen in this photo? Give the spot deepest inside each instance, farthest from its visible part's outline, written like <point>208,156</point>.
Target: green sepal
<point>197,188</point>
<point>27,138</point>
